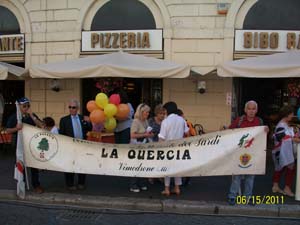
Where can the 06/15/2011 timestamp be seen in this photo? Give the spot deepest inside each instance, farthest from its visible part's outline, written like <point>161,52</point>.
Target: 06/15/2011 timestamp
<point>260,199</point>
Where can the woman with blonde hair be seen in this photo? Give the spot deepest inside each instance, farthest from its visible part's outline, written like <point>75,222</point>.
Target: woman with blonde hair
<point>140,132</point>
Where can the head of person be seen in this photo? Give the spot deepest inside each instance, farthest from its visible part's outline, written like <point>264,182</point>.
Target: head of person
<point>123,95</point>
<point>142,112</point>
<point>159,111</point>
<point>286,113</point>
<point>171,107</point>
<point>24,104</point>
<point>251,109</point>
<point>279,133</point>
<point>180,112</point>
<point>73,106</point>
<point>48,122</point>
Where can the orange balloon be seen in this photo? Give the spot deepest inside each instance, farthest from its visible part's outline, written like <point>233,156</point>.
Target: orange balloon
<point>91,106</point>
<point>123,112</point>
<point>97,116</point>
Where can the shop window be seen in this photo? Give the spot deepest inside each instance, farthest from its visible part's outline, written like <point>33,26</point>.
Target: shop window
<point>123,15</point>
<point>11,90</point>
<point>8,22</point>
<point>274,15</point>
<point>141,90</point>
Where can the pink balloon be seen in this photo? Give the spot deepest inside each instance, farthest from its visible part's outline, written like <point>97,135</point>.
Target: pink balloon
<point>115,99</point>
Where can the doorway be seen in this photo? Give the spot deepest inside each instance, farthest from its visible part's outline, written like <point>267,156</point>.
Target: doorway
<point>11,90</point>
<point>139,90</point>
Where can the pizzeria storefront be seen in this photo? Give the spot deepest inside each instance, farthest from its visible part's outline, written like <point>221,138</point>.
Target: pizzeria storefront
<point>55,32</point>
<point>261,33</point>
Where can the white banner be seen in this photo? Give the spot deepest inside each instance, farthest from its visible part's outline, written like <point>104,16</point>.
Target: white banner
<point>239,151</point>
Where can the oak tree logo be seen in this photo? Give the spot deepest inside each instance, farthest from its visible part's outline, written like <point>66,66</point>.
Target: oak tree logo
<point>43,146</point>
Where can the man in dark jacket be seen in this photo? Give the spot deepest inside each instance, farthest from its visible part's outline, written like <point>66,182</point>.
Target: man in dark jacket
<point>74,125</point>
<point>13,127</point>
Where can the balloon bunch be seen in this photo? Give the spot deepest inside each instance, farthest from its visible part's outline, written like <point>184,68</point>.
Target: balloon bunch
<point>107,111</point>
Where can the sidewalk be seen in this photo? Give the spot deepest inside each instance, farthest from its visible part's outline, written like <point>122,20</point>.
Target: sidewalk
<point>206,195</point>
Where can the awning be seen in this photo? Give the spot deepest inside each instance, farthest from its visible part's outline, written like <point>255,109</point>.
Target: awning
<point>10,69</point>
<point>118,64</point>
<point>277,65</point>
<point>3,72</point>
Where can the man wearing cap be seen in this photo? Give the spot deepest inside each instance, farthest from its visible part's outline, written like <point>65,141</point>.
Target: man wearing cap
<point>74,125</point>
<point>13,127</point>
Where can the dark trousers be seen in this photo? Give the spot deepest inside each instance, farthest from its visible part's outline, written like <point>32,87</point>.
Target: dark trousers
<point>35,181</point>
<point>123,137</point>
<point>70,177</point>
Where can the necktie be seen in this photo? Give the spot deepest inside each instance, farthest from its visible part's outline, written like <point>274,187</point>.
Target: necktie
<point>77,128</point>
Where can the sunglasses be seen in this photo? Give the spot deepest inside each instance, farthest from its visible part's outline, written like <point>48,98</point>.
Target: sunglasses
<point>26,106</point>
<point>72,107</point>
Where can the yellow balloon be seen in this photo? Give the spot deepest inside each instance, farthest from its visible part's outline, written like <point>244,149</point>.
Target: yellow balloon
<point>110,124</point>
<point>110,110</point>
<point>101,100</point>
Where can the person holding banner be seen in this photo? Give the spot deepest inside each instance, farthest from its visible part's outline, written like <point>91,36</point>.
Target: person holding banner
<point>76,126</point>
<point>173,127</point>
<point>140,132</point>
<point>49,124</point>
<point>249,119</point>
<point>13,127</point>
<point>155,123</point>
<point>283,154</point>
<point>122,130</point>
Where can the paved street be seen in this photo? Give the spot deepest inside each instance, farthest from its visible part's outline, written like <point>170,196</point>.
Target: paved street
<point>12,213</point>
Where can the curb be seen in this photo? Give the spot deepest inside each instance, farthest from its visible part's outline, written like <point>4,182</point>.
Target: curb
<point>157,205</point>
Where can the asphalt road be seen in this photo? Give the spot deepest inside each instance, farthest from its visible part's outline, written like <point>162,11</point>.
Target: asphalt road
<point>20,213</point>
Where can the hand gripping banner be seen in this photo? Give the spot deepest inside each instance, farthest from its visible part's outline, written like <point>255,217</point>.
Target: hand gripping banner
<point>238,151</point>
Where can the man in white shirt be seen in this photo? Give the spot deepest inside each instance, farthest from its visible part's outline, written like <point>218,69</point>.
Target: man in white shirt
<point>172,128</point>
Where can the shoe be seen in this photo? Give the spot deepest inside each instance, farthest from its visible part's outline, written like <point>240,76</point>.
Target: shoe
<point>72,188</point>
<point>144,188</point>
<point>276,189</point>
<point>288,192</point>
<point>81,187</point>
<point>166,193</point>
<point>176,191</point>
<point>38,190</point>
<point>151,180</point>
<point>135,189</point>
<point>231,201</point>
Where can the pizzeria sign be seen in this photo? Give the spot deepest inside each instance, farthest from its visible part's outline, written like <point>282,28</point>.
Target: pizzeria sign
<point>150,40</point>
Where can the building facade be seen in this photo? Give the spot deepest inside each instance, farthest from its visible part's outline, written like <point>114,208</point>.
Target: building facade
<point>199,33</point>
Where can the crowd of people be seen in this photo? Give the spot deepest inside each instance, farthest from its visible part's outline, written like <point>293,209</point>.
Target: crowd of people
<point>168,123</point>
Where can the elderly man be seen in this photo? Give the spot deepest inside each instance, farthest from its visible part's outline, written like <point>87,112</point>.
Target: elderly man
<point>13,127</point>
<point>249,119</point>
<point>74,125</point>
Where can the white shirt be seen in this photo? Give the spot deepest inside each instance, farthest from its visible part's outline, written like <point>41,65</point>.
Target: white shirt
<point>173,127</point>
<point>54,130</point>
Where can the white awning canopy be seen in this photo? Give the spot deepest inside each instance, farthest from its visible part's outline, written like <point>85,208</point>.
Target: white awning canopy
<point>10,69</point>
<point>117,64</point>
<point>277,65</point>
<point>3,72</point>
